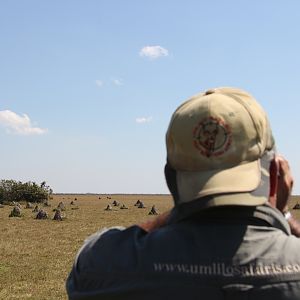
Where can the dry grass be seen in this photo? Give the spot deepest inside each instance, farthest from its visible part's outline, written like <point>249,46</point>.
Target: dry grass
<point>36,255</point>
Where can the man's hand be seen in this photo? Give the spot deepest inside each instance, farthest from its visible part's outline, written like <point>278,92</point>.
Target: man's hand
<point>155,223</point>
<point>284,183</point>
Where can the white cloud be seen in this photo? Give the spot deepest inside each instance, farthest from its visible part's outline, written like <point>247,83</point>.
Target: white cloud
<point>117,81</point>
<point>99,83</point>
<point>19,124</point>
<point>143,120</point>
<point>154,52</point>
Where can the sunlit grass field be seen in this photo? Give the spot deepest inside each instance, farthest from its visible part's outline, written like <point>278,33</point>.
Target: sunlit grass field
<point>36,255</point>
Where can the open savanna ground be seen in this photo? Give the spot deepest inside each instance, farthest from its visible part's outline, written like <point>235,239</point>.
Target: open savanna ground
<point>36,255</point>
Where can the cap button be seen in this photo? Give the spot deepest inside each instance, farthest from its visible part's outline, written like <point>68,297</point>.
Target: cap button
<point>208,92</point>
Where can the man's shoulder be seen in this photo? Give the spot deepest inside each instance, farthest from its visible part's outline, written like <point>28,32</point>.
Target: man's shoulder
<point>101,246</point>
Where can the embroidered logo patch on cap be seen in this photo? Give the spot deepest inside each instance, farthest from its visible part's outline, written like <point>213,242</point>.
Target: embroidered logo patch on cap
<point>212,137</point>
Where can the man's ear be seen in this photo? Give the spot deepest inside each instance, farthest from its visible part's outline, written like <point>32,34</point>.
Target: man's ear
<point>274,169</point>
<point>170,175</point>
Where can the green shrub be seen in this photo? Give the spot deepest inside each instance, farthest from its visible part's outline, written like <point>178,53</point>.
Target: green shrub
<point>11,190</point>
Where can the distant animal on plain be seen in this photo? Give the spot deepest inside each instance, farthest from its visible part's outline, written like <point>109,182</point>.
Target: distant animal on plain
<point>297,206</point>
<point>108,207</point>
<point>36,209</point>
<point>61,206</point>
<point>57,216</point>
<point>141,205</point>
<point>16,212</point>
<point>153,211</point>
<point>116,203</point>
<point>41,215</point>
<point>137,203</point>
<point>123,207</point>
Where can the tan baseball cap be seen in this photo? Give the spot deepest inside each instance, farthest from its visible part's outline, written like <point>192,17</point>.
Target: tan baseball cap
<point>215,142</point>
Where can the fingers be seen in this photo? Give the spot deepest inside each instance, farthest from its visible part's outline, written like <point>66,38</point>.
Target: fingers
<point>285,178</point>
<point>284,183</point>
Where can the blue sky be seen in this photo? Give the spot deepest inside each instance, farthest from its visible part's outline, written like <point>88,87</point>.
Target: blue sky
<point>87,88</point>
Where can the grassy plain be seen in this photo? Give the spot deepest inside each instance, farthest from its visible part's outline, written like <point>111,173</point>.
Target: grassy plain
<point>36,255</point>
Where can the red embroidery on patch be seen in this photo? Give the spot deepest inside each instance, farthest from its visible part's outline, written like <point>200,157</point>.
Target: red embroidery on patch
<point>212,137</point>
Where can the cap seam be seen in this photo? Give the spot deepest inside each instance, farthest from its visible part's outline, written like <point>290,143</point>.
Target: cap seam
<point>246,106</point>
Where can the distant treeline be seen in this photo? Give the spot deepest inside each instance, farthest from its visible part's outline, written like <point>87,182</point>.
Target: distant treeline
<point>11,190</point>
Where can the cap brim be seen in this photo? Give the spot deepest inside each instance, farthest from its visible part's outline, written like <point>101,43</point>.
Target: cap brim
<point>230,186</point>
